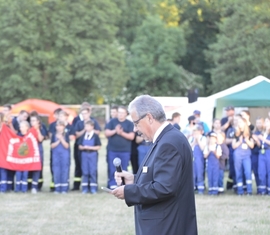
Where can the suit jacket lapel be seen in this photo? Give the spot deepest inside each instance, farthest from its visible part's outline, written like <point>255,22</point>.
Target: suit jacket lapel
<point>167,128</point>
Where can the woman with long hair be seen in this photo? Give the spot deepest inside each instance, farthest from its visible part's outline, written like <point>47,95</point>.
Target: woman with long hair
<point>242,145</point>
<point>264,160</point>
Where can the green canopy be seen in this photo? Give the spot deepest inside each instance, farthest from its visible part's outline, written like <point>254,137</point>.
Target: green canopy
<point>257,95</point>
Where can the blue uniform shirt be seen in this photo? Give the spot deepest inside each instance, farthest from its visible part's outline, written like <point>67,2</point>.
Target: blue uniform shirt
<point>117,143</point>
<point>96,138</point>
<point>80,126</point>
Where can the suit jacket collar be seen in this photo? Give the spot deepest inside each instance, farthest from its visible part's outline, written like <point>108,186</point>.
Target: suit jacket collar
<point>166,129</point>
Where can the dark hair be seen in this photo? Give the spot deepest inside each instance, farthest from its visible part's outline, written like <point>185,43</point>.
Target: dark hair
<point>34,114</point>
<point>175,115</point>
<point>57,111</point>
<point>123,107</point>
<point>8,106</point>
<point>63,112</point>
<point>23,111</point>
<point>114,107</point>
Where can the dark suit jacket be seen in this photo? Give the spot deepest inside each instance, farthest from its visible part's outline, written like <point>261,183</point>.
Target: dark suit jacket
<point>163,196</point>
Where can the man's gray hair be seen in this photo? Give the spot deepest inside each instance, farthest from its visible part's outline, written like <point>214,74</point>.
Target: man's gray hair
<point>145,104</point>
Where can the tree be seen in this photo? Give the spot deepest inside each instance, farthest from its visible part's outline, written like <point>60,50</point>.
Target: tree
<point>132,15</point>
<point>61,50</point>
<point>242,50</point>
<point>199,18</point>
<point>153,60</point>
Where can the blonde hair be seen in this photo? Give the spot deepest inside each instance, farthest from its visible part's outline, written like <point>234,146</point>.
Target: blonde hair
<point>245,132</point>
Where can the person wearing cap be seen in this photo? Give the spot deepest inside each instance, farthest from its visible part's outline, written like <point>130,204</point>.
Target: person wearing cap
<point>198,142</point>
<point>213,152</point>
<point>176,120</point>
<point>226,122</point>
<point>190,127</point>
<point>197,115</point>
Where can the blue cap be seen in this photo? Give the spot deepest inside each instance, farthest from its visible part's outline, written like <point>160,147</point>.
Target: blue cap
<point>197,112</point>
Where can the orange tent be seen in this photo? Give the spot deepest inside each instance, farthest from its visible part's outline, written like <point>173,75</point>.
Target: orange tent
<point>43,107</point>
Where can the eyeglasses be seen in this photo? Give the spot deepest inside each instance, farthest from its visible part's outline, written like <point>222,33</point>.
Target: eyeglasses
<point>137,121</point>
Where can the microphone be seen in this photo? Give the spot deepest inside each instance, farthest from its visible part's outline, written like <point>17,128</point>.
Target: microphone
<point>117,164</point>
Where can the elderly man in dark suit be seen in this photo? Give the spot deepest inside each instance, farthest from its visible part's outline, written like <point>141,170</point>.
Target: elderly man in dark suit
<point>162,190</point>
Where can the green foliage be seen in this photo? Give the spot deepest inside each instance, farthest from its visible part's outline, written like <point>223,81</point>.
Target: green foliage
<point>154,60</point>
<point>61,50</point>
<point>199,19</point>
<point>242,50</point>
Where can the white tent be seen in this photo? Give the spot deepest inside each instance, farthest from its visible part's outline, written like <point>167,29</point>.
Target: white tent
<point>207,105</point>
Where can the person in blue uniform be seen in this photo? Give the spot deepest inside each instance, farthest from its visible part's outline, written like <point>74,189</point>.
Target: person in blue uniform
<point>222,160</point>
<point>52,130</point>
<point>21,176</point>
<point>198,142</point>
<point>176,120</point>
<point>242,145</point>
<point>259,129</point>
<point>264,160</point>
<point>213,152</point>
<point>198,121</point>
<point>78,131</point>
<point>230,135</point>
<point>36,123</point>
<point>227,122</point>
<point>119,132</point>
<point>89,144</point>
<point>45,133</point>
<point>60,148</point>
<point>143,148</point>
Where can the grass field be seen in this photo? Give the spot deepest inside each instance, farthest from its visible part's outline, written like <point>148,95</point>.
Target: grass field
<point>74,213</point>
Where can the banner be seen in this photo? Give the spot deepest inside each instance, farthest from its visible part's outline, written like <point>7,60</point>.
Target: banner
<point>19,153</point>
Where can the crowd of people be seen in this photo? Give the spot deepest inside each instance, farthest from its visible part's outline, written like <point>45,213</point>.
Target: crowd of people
<point>232,141</point>
<point>235,144</point>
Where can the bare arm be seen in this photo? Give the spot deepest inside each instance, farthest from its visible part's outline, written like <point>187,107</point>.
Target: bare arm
<point>109,133</point>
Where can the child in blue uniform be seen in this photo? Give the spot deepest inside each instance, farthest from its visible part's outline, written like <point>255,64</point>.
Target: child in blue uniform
<point>60,158</point>
<point>242,145</point>
<point>21,176</point>
<point>143,148</point>
<point>213,152</point>
<point>259,126</point>
<point>198,143</point>
<point>264,160</point>
<point>89,144</point>
<point>42,133</point>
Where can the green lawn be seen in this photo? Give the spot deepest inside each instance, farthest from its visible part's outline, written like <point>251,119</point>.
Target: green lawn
<point>74,213</point>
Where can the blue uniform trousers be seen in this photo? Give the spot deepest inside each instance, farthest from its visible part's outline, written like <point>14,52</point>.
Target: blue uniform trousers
<point>198,169</point>
<point>255,166</point>
<point>264,172</point>
<point>36,174</point>
<point>21,181</point>
<point>213,174</point>
<point>89,171</point>
<point>3,181</point>
<point>60,165</point>
<point>125,157</point>
<point>242,164</point>
<point>232,175</point>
